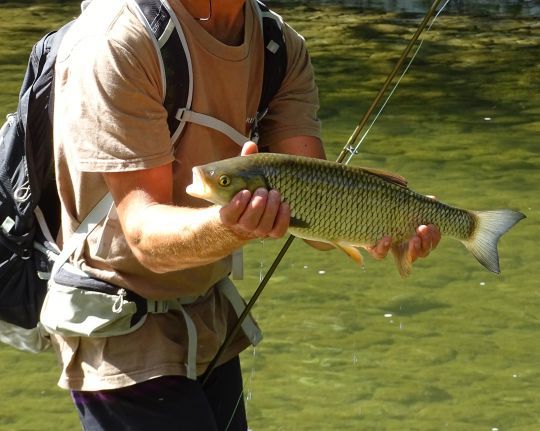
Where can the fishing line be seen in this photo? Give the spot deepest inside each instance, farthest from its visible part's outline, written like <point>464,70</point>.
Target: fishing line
<point>248,386</point>
<point>347,149</point>
<point>349,146</point>
<point>235,408</point>
<point>354,151</point>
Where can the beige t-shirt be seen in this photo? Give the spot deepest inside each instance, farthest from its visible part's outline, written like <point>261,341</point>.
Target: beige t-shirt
<point>109,117</point>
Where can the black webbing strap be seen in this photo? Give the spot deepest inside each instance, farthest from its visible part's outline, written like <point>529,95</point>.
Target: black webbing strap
<point>275,57</point>
<point>174,59</point>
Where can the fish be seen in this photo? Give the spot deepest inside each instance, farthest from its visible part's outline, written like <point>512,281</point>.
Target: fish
<point>351,207</point>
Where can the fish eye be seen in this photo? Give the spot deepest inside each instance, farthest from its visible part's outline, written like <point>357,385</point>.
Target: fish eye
<point>224,181</point>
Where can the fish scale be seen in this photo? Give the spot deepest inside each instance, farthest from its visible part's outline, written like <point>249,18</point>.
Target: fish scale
<point>351,206</point>
<point>315,193</point>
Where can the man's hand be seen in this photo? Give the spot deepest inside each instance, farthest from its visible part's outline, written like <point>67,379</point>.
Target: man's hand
<point>257,215</point>
<point>420,245</point>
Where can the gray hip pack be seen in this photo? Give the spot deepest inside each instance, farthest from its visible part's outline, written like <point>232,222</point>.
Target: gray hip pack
<point>82,306</point>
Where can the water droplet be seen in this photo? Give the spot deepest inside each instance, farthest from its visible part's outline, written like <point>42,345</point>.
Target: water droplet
<point>482,283</point>
<point>487,118</point>
<point>306,267</point>
<point>322,272</point>
<point>388,315</point>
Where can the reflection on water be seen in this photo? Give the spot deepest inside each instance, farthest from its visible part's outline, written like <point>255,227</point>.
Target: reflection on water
<point>483,7</point>
<point>452,347</point>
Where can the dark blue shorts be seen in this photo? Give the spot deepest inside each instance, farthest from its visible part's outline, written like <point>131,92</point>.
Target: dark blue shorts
<point>168,403</point>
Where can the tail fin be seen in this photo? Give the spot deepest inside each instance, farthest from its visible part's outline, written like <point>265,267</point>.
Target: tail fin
<point>491,225</point>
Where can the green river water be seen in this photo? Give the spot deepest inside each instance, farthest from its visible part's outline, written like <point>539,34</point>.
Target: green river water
<point>453,347</point>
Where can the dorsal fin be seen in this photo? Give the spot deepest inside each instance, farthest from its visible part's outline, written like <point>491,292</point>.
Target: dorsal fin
<point>388,176</point>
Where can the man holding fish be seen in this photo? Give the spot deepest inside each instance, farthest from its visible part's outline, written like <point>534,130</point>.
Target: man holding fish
<point>111,136</point>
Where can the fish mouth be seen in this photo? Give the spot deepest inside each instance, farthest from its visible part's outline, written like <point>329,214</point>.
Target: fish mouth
<point>197,188</point>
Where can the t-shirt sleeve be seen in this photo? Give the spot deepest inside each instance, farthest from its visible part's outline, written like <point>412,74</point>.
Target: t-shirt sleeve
<point>110,101</point>
<point>293,110</point>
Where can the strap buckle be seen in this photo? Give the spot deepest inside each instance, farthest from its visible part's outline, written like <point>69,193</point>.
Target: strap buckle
<point>180,114</point>
<point>157,307</point>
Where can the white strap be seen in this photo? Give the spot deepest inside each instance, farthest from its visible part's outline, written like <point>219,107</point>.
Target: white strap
<point>98,213</point>
<point>166,34</point>
<point>176,304</point>
<point>107,233</point>
<point>238,264</point>
<point>191,365</point>
<point>44,228</point>
<point>248,325</point>
<point>164,306</point>
<point>230,291</point>
<point>270,14</point>
<point>50,249</point>
<point>213,123</point>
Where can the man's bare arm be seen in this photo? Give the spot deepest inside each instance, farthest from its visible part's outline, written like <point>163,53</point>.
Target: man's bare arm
<point>165,237</point>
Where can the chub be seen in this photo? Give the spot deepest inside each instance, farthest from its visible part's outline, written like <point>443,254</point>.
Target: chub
<point>350,206</point>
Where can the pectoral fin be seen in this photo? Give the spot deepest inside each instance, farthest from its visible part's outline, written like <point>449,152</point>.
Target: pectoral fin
<point>298,223</point>
<point>351,251</point>
<point>401,256</point>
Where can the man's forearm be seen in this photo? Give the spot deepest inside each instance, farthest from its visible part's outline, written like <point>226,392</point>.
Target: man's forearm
<point>169,238</point>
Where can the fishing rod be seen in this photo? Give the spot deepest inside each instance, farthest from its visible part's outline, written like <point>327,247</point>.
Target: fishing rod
<point>349,148</point>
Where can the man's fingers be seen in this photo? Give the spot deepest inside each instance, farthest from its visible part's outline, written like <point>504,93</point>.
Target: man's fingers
<point>426,239</point>
<point>231,213</point>
<point>414,248</point>
<point>248,148</point>
<point>281,223</point>
<point>268,217</point>
<point>259,215</point>
<point>436,236</point>
<point>380,250</point>
<point>250,219</point>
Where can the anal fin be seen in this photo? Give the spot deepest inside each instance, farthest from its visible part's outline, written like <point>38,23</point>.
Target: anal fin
<point>401,256</point>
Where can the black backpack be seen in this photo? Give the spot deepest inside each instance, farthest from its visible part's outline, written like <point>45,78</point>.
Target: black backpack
<point>29,203</point>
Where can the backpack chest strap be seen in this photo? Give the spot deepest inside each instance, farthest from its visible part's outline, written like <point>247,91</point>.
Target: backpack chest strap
<point>186,115</point>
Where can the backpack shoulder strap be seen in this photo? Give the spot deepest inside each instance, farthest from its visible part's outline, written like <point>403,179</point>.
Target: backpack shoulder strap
<point>177,73</point>
<point>275,54</point>
<point>174,58</point>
